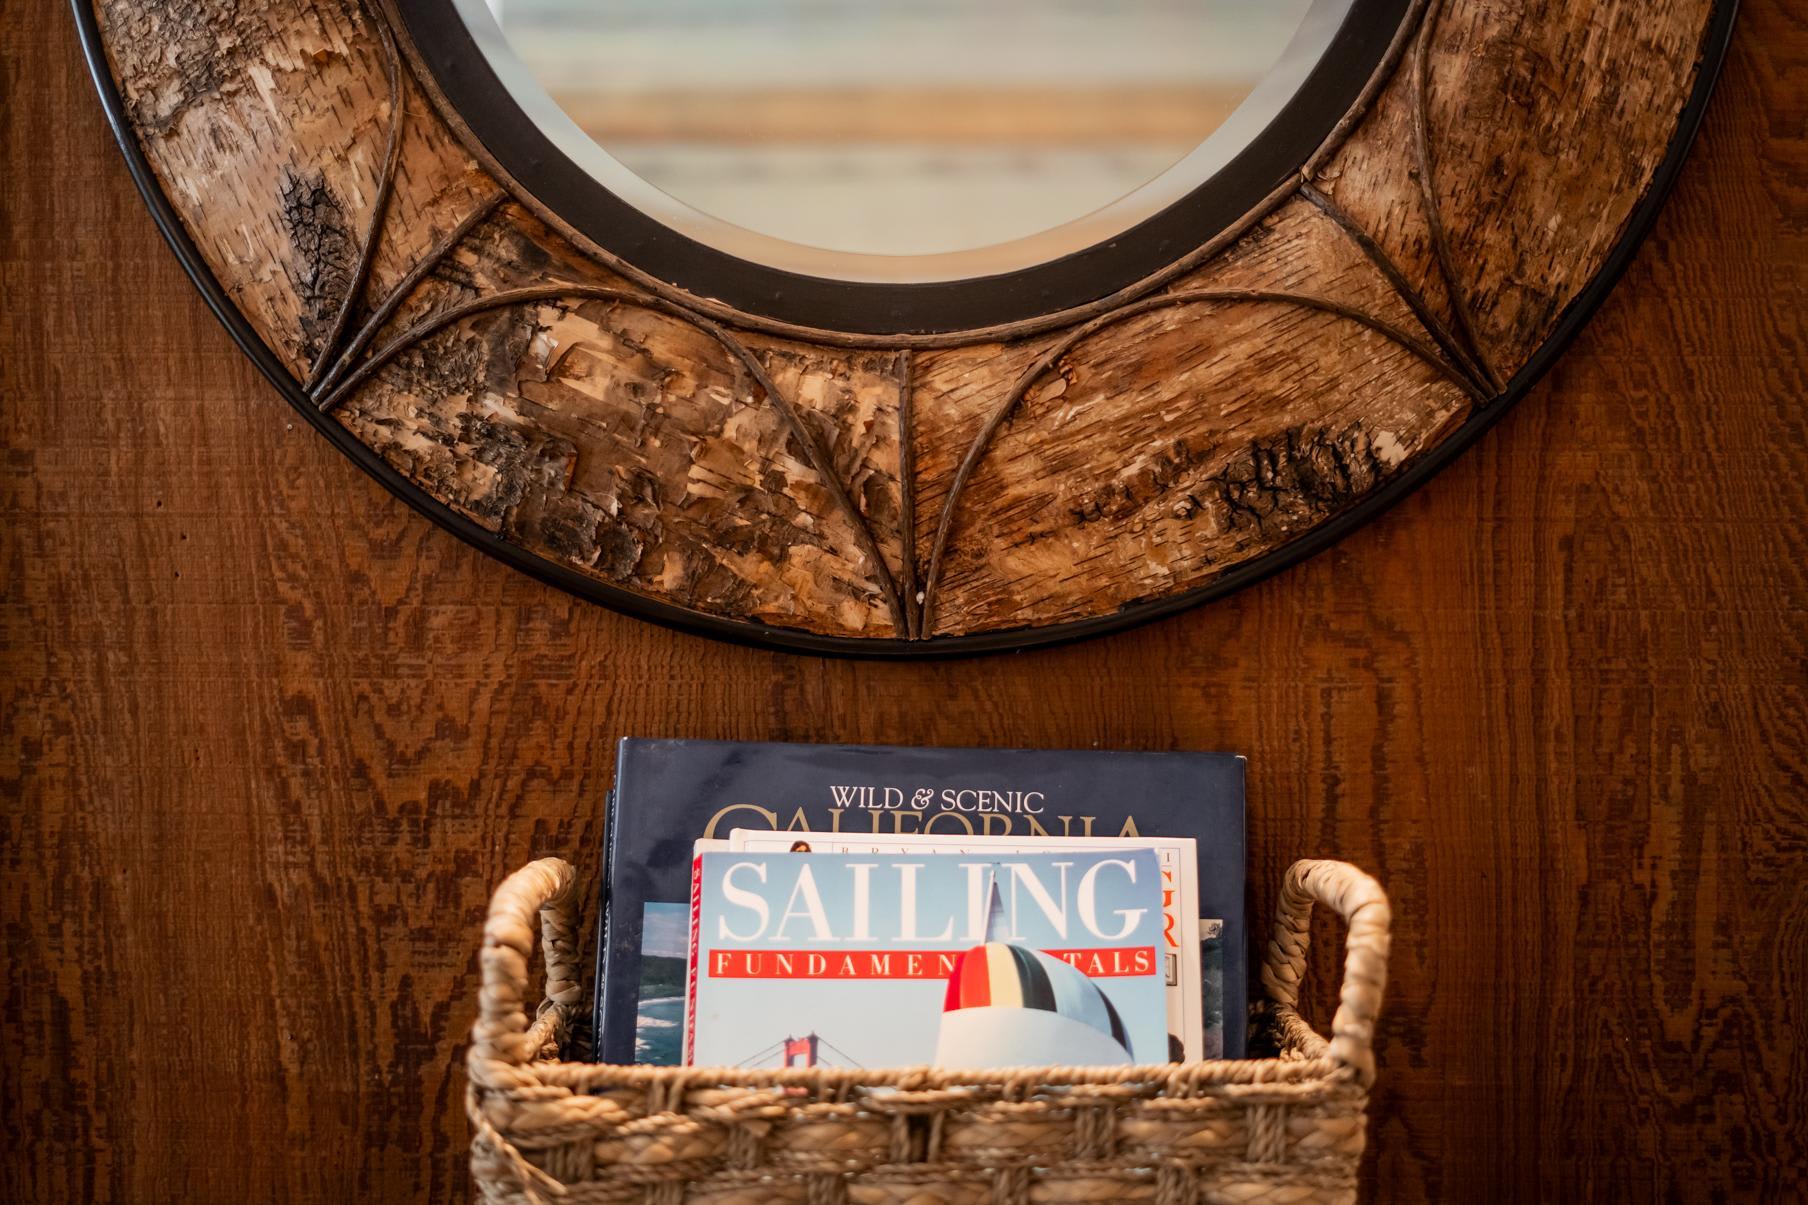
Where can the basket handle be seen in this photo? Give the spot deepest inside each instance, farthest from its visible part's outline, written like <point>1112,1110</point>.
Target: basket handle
<point>1359,899</point>
<point>502,1040</point>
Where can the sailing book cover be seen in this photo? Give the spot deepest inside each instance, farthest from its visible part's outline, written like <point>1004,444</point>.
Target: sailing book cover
<point>877,960</point>
<point>1177,858</point>
<point>669,793</point>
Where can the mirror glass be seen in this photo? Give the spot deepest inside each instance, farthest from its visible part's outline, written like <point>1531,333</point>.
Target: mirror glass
<point>899,140</point>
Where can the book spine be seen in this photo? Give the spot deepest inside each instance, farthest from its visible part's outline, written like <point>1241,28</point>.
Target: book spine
<point>690,967</point>
<point>600,1037</point>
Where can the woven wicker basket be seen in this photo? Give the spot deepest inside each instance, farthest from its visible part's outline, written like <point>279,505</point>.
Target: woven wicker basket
<point>1286,1129</point>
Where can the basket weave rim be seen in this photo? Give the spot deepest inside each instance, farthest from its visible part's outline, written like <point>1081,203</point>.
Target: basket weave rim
<point>1174,1078</point>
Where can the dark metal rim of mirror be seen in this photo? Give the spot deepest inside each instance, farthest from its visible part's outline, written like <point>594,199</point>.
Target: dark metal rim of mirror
<point>476,104</point>
<point>1711,49</point>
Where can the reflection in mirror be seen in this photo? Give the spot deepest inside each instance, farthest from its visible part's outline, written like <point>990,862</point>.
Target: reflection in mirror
<point>902,139</point>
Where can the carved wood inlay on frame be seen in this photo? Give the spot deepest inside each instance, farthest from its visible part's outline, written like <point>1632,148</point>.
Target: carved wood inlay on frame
<point>895,494</point>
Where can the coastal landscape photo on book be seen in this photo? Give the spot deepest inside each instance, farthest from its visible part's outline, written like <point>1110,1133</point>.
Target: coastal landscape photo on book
<point>664,950</point>
<point>879,960</point>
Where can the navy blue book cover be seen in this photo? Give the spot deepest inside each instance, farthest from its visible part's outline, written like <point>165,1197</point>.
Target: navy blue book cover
<point>669,793</point>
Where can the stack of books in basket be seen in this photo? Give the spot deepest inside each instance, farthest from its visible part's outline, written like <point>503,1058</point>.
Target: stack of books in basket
<point>769,905</point>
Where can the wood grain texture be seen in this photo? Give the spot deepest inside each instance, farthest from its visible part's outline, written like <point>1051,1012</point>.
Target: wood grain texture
<point>267,738</point>
<point>688,456</point>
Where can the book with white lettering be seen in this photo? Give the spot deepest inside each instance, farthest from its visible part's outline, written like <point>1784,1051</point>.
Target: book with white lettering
<point>1180,934</point>
<point>957,960</point>
<point>668,793</point>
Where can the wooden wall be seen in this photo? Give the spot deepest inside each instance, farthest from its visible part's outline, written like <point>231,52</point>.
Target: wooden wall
<point>267,738</point>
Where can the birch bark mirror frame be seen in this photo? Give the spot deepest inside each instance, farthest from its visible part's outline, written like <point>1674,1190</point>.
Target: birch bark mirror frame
<point>902,467</point>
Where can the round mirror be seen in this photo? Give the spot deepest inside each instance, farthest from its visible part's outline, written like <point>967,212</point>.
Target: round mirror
<point>878,140</point>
